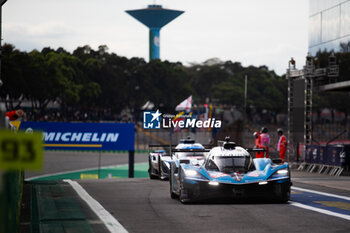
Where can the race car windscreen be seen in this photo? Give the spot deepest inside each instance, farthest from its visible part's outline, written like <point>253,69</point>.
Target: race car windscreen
<point>182,155</point>
<point>229,164</point>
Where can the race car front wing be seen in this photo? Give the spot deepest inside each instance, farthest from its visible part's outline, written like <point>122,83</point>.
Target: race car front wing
<point>194,190</point>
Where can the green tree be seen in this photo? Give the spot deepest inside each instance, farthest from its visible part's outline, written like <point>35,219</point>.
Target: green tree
<point>15,65</point>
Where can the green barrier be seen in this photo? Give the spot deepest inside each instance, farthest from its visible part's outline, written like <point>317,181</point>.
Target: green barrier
<point>10,200</point>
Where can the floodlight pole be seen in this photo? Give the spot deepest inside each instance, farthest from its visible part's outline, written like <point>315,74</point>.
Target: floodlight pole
<point>245,92</point>
<point>245,101</point>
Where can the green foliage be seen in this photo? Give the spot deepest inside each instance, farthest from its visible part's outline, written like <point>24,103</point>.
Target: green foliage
<point>224,83</point>
<point>87,79</point>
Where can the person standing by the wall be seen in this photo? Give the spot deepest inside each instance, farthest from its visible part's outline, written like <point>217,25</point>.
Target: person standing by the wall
<point>257,142</point>
<point>282,144</point>
<point>265,140</point>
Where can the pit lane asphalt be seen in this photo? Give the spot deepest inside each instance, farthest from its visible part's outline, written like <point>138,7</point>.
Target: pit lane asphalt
<point>143,205</point>
<point>66,161</point>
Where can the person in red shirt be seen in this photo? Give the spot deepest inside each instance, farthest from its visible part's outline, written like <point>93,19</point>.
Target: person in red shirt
<point>14,115</point>
<point>265,140</point>
<point>282,144</point>
<point>258,145</point>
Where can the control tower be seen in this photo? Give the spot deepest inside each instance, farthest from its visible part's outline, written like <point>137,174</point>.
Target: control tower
<point>154,17</point>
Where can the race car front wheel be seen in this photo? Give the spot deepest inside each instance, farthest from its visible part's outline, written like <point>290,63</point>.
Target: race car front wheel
<point>283,193</point>
<point>160,168</point>
<point>184,197</point>
<point>285,196</point>
<point>172,194</point>
<point>151,176</point>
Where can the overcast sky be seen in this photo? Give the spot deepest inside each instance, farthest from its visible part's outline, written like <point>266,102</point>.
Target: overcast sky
<point>253,32</point>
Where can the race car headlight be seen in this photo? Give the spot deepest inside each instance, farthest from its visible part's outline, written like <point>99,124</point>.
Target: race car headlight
<point>189,173</point>
<point>281,173</point>
<point>262,182</point>
<point>215,183</point>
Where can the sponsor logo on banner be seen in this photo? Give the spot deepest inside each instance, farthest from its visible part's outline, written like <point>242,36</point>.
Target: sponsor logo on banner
<point>83,136</point>
<point>80,137</point>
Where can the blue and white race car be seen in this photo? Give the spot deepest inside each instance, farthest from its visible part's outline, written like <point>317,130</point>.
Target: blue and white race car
<point>188,152</point>
<point>229,171</point>
<point>160,160</point>
<point>159,163</point>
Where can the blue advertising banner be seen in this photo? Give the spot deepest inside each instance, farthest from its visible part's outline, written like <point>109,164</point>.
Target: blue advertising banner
<point>84,136</point>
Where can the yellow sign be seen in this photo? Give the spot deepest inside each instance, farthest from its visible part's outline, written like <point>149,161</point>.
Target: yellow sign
<point>15,124</point>
<point>21,150</point>
<point>88,176</point>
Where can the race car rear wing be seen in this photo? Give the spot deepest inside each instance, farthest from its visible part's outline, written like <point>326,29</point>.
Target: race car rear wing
<point>167,148</point>
<point>173,146</point>
<point>231,145</point>
<point>173,150</point>
<point>159,145</point>
<point>190,150</point>
<point>256,149</point>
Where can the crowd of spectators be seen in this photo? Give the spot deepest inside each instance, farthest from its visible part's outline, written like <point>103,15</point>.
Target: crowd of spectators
<point>105,115</point>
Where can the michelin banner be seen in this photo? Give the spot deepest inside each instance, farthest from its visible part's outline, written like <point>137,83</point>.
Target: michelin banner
<point>83,136</point>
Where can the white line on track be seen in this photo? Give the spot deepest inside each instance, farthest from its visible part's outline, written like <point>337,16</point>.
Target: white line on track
<point>319,210</point>
<point>321,193</point>
<point>322,211</point>
<point>110,222</point>
<point>78,170</point>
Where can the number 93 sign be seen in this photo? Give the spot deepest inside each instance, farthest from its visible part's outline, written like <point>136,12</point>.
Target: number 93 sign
<point>20,151</point>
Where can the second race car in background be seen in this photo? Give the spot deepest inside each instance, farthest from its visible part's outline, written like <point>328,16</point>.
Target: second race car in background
<point>159,164</point>
<point>160,160</point>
